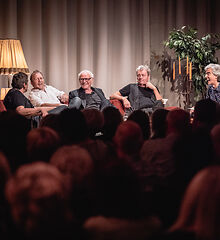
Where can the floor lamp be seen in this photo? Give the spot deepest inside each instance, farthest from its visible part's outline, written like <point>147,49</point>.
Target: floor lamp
<point>12,58</point>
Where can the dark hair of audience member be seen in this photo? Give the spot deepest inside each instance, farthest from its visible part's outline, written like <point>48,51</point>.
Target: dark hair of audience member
<point>5,220</point>
<point>200,212</point>
<point>42,142</point>
<point>178,122</point>
<point>14,128</point>
<point>118,191</point>
<point>73,127</point>
<point>142,119</point>
<point>52,121</point>
<point>38,201</point>
<point>76,165</point>
<point>95,120</point>
<point>205,115</point>
<point>112,118</point>
<point>159,125</point>
<point>215,136</point>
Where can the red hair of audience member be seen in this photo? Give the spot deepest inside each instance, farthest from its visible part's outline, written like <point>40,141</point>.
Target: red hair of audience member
<point>200,209</point>
<point>128,139</point>
<point>42,142</point>
<point>178,122</point>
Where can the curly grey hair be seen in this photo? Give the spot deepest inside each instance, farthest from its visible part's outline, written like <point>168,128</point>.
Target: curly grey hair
<point>215,69</point>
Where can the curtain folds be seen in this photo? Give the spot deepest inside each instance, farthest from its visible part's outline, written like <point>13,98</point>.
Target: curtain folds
<point>109,37</point>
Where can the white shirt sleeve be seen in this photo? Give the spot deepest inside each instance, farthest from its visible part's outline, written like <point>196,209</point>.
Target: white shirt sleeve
<point>49,95</point>
<point>35,99</point>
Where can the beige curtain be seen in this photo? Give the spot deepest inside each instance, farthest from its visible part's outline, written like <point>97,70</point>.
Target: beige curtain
<point>109,37</point>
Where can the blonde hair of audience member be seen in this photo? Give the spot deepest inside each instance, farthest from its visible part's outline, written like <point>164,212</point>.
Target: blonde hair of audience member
<point>200,211</point>
<point>37,198</point>
<point>42,142</point>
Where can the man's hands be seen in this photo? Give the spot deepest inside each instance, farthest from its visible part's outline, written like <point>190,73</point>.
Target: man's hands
<point>150,85</point>
<point>126,103</point>
<point>64,98</point>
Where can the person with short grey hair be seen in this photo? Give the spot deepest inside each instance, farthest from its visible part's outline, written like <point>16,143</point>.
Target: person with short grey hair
<point>141,95</point>
<point>87,97</point>
<point>212,74</point>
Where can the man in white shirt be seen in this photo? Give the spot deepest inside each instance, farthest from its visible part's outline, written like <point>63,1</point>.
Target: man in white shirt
<point>43,95</point>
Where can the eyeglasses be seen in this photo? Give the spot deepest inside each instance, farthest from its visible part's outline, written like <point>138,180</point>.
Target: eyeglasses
<point>84,79</point>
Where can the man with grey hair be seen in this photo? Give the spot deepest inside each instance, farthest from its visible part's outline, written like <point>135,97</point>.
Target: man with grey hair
<point>87,96</point>
<point>212,74</point>
<point>143,95</point>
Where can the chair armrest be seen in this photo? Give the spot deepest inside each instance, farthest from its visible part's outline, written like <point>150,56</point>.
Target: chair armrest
<point>118,104</point>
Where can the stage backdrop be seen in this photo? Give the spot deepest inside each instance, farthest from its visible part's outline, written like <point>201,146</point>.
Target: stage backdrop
<point>109,37</point>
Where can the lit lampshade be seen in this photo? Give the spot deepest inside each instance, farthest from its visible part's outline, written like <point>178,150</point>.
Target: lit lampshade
<point>12,58</point>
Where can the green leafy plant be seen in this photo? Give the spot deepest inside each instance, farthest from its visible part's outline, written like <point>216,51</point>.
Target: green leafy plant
<point>200,51</point>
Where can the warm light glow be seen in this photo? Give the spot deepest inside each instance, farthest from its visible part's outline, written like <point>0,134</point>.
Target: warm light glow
<point>187,65</point>
<point>179,66</point>
<point>174,71</point>
<point>3,93</point>
<point>190,71</point>
<point>12,57</point>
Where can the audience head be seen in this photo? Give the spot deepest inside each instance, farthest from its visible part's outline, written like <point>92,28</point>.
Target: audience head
<point>51,120</point>
<point>37,199</point>
<point>215,135</point>
<point>178,122</point>
<point>200,211</point>
<point>159,124</point>
<point>5,173</point>
<point>142,119</point>
<point>73,127</point>
<point>128,139</point>
<point>204,114</point>
<point>19,79</point>
<point>42,142</point>
<point>73,162</point>
<point>76,165</point>
<point>95,120</point>
<point>14,129</point>
<point>112,118</point>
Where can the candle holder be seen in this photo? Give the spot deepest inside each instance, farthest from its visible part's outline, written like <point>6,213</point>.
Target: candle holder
<point>183,80</point>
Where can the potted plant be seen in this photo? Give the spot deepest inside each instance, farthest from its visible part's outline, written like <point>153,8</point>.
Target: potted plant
<point>199,51</point>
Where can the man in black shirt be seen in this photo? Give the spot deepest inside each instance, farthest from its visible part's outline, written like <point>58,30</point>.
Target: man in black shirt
<point>87,96</point>
<point>16,100</point>
<point>143,95</point>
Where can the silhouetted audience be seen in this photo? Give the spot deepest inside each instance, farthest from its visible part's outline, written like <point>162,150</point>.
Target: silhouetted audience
<point>159,125</point>
<point>77,167</point>
<point>112,118</point>
<point>142,119</point>
<point>38,203</point>
<point>42,142</point>
<point>95,120</point>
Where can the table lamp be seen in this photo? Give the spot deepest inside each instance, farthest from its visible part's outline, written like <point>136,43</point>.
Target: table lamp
<point>12,58</point>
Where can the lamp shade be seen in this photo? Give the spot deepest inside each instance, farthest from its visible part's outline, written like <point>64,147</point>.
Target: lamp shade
<point>12,58</point>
